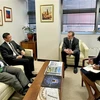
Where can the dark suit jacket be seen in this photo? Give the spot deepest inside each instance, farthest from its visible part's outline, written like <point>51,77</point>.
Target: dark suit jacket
<point>6,51</point>
<point>75,44</point>
<point>96,60</point>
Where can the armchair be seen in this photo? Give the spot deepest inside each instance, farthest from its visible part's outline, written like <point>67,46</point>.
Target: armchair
<point>83,53</point>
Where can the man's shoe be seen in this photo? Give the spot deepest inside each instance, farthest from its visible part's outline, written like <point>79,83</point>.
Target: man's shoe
<point>65,66</point>
<point>24,91</point>
<point>75,70</point>
<point>31,80</point>
<point>33,75</point>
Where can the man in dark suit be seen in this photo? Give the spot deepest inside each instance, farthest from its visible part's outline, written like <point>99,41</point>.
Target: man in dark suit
<point>14,54</point>
<point>13,77</point>
<point>70,47</point>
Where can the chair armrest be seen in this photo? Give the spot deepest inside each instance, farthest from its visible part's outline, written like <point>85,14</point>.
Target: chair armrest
<point>60,49</point>
<point>85,50</point>
<point>29,52</point>
<point>83,62</point>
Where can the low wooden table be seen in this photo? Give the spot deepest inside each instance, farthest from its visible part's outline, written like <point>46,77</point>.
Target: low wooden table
<point>35,87</point>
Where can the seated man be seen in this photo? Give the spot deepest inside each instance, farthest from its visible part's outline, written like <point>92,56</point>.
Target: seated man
<point>71,47</point>
<point>14,54</point>
<point>89,78</point>
<point>13,77</point>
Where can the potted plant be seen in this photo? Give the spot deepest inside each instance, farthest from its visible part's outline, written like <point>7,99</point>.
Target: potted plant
<point>30,32</point>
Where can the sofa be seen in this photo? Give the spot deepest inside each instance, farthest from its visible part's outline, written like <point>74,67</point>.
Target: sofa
<point>83,53</point>
<point>5,90</point>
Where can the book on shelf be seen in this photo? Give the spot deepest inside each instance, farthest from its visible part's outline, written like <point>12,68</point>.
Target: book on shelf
<point>51,81</point>
<point>90,68</point>
<point>48,94</point>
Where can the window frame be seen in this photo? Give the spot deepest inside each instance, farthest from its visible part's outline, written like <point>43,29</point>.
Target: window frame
<point>87,10</point>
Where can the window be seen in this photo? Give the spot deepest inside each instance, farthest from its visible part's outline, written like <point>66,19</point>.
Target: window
<point>31,13</point>
<point>78,15</point>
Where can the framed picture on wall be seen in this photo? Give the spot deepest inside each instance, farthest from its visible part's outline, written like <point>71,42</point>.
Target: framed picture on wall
<point>7,14</point>
<point>47,13</point>
<point>1,18</point>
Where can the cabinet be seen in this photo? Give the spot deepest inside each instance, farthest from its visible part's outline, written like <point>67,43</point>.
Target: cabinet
<point>30,45</point>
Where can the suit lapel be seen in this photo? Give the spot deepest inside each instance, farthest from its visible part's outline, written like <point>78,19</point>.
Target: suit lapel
<point>73,41</point>
<point>6,46</point>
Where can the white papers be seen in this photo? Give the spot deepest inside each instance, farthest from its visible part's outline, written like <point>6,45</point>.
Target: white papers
<point>90,68</point>
<point>52,94</point>
<point>54,64</point>
<point>48,94</point>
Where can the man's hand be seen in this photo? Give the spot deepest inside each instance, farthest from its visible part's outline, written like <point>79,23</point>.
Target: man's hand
<point>68,51</point>
<point>90,61</point>
<point>96,67</point>
<point>22,52</point>
<point>19,57</point>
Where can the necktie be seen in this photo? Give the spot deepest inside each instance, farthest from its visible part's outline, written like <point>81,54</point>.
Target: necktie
<point>70,45</point>
<point>13,49</point>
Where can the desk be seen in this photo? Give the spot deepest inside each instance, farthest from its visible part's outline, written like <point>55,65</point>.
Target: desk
<point>30,45</point>
<point>35,87</point>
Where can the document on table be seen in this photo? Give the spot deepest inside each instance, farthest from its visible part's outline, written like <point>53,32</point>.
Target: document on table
<point>48,94</point>
<point>90,68</point>
<point>52,94</point>
<point>55,64</point>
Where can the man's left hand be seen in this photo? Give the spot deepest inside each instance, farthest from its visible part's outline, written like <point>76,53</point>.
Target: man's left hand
<point>70,52</point>
<point>22,52</point>
<point>96,67</point>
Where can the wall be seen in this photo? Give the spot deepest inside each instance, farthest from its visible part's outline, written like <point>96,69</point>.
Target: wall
<point>19,13</point>
<point>48,33</point>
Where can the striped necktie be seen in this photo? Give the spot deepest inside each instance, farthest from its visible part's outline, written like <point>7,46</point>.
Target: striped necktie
<point>70,44</point>
<point>13,49</point>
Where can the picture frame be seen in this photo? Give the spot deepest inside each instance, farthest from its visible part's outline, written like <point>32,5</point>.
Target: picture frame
<point>7,14</point>
<point>1,18</point>
<point>47,13</point>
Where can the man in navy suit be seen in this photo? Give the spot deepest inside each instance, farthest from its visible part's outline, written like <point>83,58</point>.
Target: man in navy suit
<point>14,54</point>
<point>71,47</point>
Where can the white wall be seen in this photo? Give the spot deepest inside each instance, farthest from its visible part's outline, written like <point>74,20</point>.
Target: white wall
<point>48,34</point>
<point>19,13</point>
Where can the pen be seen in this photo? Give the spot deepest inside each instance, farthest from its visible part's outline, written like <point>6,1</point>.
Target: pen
<point>52,96</point>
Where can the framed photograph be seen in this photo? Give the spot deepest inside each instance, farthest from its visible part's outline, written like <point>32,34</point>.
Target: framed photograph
<point>1,18</point>
<point>7,14</point>
<point>47,13</point>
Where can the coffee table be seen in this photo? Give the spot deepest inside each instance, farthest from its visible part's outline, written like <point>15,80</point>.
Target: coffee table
<point>35,87</point>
